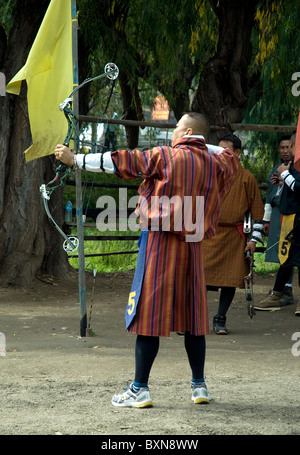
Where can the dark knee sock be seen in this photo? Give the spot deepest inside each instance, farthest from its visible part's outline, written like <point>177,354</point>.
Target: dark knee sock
<point>195,347</point>
<point>226,297</point>
<point>290,280</point>
<point>282,278</point>
<point>146,349</point>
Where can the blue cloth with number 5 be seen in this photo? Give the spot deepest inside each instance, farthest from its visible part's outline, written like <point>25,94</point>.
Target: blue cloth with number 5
<point>137,283</point>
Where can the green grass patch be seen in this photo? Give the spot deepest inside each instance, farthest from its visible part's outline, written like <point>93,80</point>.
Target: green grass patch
<point>264,268</point>
<point>109,263</point>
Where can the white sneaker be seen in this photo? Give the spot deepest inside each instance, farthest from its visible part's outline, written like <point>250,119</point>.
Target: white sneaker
<point>200,395</point>
<point>130,399</point>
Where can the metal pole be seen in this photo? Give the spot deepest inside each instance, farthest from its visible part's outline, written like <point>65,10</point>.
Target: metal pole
<point>79,212</point>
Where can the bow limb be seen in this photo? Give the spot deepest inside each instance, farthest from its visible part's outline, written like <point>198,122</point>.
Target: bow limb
<point>248,280</point>
<point>111,71</point>
<point>71,243</point>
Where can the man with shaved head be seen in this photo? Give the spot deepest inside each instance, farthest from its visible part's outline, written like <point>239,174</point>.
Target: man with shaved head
<point>191,124</point>
<point>179,204</point>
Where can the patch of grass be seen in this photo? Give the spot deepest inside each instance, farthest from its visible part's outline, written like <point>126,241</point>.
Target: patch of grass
<point>262,267</point>
<point>109,263</point>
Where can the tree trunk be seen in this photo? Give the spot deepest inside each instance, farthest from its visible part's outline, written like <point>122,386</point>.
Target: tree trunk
<point>132,109</point>
<point>28,242</point>
<point>184,73</point>
<point>224,85</point>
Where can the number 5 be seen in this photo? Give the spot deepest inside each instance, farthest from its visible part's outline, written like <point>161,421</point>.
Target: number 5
<point>284,248</point>
<point>131,302</point>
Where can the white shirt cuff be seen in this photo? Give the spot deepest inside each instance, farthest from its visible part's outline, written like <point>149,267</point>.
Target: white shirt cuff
<point>92,162</point>
<point>214,149</point>
<point>268,212</point>
<point>284,173</point>
<point>288,179</point>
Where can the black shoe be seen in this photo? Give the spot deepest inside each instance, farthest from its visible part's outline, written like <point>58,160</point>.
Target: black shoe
<point>286,296</point>
<point>219,325</point>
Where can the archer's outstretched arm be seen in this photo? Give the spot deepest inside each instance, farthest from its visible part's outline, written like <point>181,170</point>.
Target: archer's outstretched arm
<point>94,162</point>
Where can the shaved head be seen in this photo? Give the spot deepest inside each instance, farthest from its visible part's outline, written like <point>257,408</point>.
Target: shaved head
<point>198,123</point>
<point>191,123</point>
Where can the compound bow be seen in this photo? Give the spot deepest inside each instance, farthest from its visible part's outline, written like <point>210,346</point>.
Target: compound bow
<point>111,71</point>
<point>248,280</point>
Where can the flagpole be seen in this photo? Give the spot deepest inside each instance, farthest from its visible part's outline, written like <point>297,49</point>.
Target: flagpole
<point>79,212</point>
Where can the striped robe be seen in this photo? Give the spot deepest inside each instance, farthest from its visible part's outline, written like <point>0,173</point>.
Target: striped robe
<point>173,296</point>
<point>224,259</point>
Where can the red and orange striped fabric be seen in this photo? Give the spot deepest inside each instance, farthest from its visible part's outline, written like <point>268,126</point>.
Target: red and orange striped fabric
<point>174,294</point>
<point>185,170</point>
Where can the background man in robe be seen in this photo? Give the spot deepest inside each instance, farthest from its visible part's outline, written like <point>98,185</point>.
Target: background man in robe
<point>224,254</point>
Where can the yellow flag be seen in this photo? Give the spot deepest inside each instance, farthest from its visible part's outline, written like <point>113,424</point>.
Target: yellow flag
<point>287,225</point>
<point>48,72</point>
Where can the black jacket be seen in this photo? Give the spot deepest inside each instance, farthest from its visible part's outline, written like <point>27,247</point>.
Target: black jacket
<point>290,199</point>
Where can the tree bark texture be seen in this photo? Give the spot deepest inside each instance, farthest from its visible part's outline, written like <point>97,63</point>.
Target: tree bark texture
<point>224,83</point>
<point>28,241</point>
<point>131,107</point>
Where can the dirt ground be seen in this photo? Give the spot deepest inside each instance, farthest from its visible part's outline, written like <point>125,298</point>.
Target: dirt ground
<point>53,382</point>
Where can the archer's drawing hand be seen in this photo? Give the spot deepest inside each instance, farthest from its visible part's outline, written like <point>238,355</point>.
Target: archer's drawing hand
<point>64,154</point>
